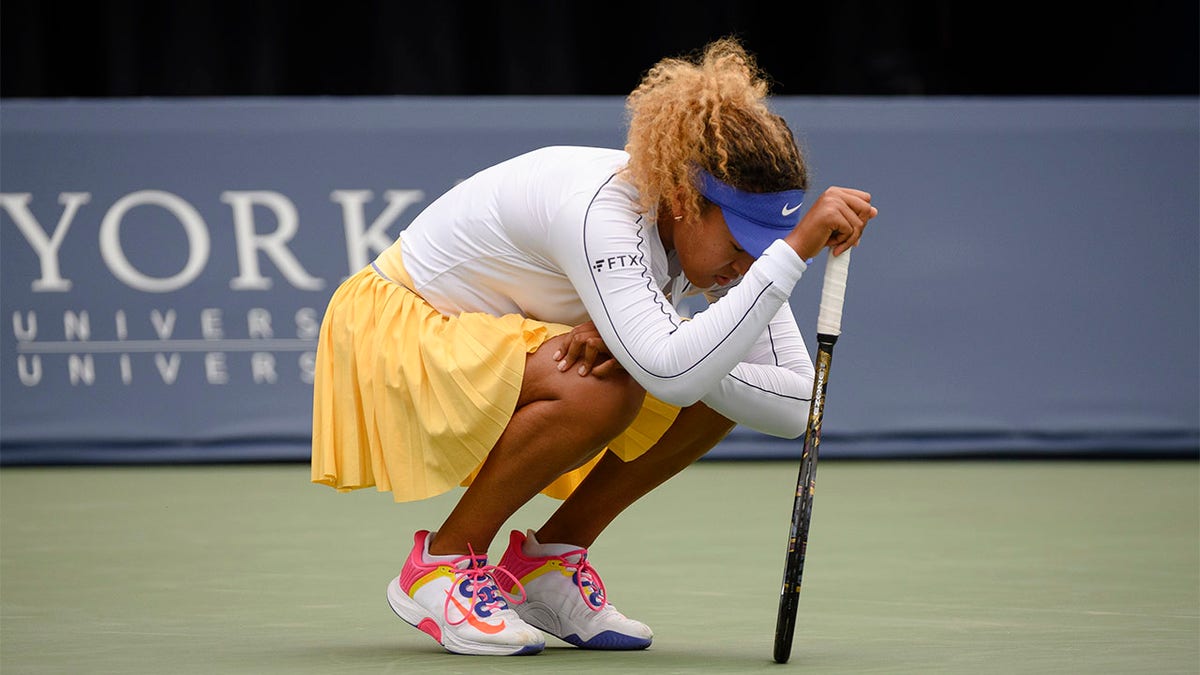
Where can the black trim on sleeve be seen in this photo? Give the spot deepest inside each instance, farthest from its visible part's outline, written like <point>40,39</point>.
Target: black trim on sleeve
<point>769,391</point>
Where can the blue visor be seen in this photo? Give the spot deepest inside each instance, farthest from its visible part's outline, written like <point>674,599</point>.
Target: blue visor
<point>756,219</point>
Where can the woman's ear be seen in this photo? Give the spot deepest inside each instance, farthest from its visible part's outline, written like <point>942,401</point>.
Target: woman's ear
<point>678,198</point>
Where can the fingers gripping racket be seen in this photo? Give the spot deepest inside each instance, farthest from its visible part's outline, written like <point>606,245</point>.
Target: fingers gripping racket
<point>829,327</point>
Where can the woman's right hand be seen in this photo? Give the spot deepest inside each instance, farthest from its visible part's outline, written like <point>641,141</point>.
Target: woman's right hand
<point>586,352</point>
<point>837,220</point>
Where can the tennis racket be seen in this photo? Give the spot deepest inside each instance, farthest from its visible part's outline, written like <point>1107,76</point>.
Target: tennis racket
<point>829,327</point>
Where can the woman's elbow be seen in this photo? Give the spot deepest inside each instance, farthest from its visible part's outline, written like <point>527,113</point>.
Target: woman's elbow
<point>793,428</point>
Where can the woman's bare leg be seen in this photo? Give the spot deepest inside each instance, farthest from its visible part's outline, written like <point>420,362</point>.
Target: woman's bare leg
<point>561,421</point>
<point>613,485</point>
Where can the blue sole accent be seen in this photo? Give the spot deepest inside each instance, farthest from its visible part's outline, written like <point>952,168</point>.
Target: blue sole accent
<point>530,649</point>
<point>611,640</point>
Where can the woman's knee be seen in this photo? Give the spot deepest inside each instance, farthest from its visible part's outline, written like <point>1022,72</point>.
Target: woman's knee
<point>609,403</point>
<point>611,400</point>
<point>700,414</point>
<point>620,393</point>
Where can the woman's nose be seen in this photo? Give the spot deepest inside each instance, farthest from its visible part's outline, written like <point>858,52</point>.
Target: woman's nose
<point>742,264</point>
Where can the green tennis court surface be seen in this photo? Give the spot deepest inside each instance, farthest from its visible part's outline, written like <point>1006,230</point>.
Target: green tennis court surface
<point>913,567</point>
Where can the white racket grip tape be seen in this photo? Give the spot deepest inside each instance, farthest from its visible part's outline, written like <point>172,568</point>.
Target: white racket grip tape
<point>833,294</point>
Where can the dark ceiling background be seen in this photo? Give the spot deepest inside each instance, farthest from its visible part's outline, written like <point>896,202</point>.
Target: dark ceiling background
<point>168,48</point>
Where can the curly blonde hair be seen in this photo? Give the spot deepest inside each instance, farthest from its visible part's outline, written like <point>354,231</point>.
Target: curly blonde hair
<point>708,111</point>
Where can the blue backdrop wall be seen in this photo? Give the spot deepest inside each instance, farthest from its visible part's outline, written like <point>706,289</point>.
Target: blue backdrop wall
<point>1032,285</point>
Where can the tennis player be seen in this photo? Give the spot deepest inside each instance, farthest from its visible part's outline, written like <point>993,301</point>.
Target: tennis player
<point>523,336</point>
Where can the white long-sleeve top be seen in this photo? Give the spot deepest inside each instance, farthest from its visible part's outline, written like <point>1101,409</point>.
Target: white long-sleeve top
<point>555,235</point>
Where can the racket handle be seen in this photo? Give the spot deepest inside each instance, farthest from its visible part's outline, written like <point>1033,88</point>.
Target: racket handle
<point>833,293</point>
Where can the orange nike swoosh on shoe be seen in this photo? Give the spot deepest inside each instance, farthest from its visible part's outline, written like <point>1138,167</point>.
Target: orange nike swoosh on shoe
<point>482,626</point>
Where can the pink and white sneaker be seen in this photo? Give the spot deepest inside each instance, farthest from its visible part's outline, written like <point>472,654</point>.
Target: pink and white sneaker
<point>456,601</point>
<point>565,597</point>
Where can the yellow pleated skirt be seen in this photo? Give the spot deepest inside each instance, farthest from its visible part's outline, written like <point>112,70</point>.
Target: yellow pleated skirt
<point>411,401</point>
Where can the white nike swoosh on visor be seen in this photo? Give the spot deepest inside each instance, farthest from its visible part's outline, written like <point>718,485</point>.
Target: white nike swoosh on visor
<point>787,212</point>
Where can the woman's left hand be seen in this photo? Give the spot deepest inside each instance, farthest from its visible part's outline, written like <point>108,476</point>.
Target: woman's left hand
<point>586,352</point>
